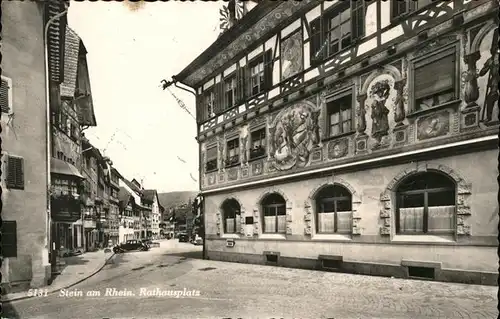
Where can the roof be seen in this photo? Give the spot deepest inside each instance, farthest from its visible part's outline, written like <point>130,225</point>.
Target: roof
<point>61,167</point>
<point>225,39</point>
<point>124,197</point>
<point>149,195</point>
<point>172,199</point>
<point>71,52</point>
<point>132,186</point>
<point>115,171</point>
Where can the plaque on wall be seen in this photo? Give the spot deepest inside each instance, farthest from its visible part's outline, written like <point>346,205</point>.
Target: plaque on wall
<point>433,125</point>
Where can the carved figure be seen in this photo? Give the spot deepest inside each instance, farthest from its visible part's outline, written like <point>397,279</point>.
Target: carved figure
<point>380,122</point>
<point>243,143</point>
<point>221,154</point>
<point>490,67</point>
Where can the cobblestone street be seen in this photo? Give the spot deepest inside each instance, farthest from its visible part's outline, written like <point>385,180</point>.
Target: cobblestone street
<point>251,291</point>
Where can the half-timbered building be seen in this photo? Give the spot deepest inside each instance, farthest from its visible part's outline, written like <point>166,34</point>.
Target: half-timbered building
<point>359,136</point>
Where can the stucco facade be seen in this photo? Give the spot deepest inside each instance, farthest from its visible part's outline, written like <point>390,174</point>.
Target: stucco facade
<point>24,137</point>
<point>390,111</point>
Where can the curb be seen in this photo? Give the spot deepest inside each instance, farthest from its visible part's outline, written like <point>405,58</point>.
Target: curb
<point>54,290</point>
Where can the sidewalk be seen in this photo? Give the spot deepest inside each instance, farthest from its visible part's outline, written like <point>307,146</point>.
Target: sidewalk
<point>77,269</point>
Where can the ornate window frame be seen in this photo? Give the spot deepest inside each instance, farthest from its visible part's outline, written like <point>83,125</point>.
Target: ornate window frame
<point>220,217</point>
<point>463,193</point>
<point>257,230</point>
<point>310,213</point>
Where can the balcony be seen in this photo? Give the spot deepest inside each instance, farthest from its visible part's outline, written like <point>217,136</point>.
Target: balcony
<point>89,221</point>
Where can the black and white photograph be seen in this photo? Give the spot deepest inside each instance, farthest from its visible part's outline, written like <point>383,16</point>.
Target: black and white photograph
<point>297,159</point>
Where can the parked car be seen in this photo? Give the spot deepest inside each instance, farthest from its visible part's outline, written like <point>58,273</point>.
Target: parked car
<point>147,241</point>
<point>129,245</point>
<point>183,238</point>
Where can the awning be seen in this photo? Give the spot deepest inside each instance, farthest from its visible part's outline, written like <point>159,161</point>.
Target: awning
<point>61,167</point>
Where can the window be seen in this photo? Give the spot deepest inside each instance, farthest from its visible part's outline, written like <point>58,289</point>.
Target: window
<point>274,208</point>
<point>6,95</point>
<point>336,30</point>
<point>434,79</point>
<point>426,205</point>
<point>230,92</point>
<point>15,172</point>
<point>210,102</point>
<point>233,152</point>
<point>260,77</point>
<point>257,76</point>
<point>231,211</point>
<point>258,143</point>
<point>402,7</point>
<point>334,210</point>
<point>211,159</point>
<point>64,187</point>
<point>339,113</point>
<point>9,238</point>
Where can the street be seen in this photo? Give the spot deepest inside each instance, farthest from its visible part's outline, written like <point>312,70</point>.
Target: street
<point>209,289</point>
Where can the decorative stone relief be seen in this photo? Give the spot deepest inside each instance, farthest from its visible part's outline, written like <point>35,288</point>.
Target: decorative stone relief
<point>434,125</point>
<point>256,221</point>
<point>218,217</point>
<point>293,135</point>
<point>380,96</point>
<point>310,203</point>
<point>242,222</point>
<point>463,196</point>
<point>338,148</point>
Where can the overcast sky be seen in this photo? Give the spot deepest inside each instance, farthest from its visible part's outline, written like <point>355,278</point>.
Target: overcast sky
<point>129,53</point>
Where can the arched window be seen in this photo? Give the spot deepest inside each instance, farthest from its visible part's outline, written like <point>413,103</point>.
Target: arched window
<point>274,208</point>
<point>334,210</point>
<point>426,204</point>
<point>231,211</point>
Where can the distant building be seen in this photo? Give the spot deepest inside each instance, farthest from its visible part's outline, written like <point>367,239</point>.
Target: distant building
<point>151,196</point>
<point>340,134</point>
<point>111,228</point>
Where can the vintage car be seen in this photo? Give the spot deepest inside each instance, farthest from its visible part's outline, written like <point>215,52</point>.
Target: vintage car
<point>183,238</point>
<point>129,245</point>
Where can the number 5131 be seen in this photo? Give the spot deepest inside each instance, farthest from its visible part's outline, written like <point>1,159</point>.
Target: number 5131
<point>38,293</point>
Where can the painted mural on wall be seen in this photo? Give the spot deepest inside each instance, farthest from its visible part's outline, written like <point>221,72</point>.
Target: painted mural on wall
<point>293,134</point>
<point>433,125</point>
<point>379,105</point>
<point>291,55</point>
<point>487,68</point>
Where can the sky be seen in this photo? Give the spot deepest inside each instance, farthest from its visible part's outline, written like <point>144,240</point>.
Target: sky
<point>130,50</point>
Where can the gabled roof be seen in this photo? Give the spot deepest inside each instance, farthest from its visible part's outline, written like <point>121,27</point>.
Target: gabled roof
<point>132,186</point>
<point>124,197</point>
<point>149,195</point>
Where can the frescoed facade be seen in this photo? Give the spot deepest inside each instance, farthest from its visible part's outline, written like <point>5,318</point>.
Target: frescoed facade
<point>360,136</point>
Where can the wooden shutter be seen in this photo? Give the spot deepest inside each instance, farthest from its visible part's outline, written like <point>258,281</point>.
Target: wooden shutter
<point>315,44</point>
<point>357,19</point>
<point>4,96</point>
<point>15,172</point>
<point>436,76</point>
<point>9,239</point>
<point>219,97</point>
<point>268,69</point>
<point>199,108</point>
<point>241,81</point>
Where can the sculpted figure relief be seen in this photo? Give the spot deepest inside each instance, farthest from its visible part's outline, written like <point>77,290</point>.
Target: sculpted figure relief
<point>380,122</point>
<point>293,135</point>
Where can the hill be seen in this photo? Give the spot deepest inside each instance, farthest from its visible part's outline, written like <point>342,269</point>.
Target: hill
<point>171,199</point>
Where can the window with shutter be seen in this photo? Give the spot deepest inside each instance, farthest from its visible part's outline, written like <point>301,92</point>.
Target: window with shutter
<point>340,115</point>
<point>258,143</point>
<point>268,69</point>
<point>233,152</point>
<point>401,7</point>
<point>241,84</point>
<point>358,12</point>
<point>434,80</point>
<point>256,76</point>
<point>219,106</point>
<point>230,92</point>
<point>15,172</point>
<point>9,238</point>
<point>316,45</point>
<point>5,91</point>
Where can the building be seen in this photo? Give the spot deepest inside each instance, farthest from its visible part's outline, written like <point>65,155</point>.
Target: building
<point>113,219</point>
<point>25,163</point>
<point>71,113</point>
<point>139,210</point>
<point>92,158</point>
<point>151,197</point>
<point>127,202</point>
<point>341,135</point>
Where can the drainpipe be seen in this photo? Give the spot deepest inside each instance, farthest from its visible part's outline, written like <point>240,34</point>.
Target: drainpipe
<point>48,132</point>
